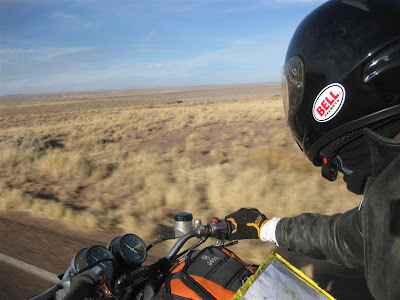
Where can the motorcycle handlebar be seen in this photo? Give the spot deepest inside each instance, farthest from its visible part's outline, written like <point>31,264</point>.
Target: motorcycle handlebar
<point>85,284</point>
<point>52,290</point>
<point>219,229</point>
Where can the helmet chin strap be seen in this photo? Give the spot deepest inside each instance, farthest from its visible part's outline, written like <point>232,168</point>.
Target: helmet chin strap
<point>331,167</point>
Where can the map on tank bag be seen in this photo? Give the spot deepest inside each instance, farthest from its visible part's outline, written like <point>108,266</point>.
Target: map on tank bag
<point>278,279</point>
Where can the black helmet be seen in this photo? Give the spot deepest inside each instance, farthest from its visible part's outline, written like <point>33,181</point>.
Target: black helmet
<point>342,73</point>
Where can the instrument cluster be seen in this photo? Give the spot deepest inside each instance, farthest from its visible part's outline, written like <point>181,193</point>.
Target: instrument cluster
<point>127,250</point>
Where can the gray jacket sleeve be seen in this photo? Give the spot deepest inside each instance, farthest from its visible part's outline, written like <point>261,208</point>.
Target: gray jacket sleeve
<point>337,238</point>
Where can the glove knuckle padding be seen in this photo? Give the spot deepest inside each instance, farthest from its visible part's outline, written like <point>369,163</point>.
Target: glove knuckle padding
<point>246,222</point>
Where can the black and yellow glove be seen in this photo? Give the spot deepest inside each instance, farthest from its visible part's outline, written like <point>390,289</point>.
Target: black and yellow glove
<point>246,223</point>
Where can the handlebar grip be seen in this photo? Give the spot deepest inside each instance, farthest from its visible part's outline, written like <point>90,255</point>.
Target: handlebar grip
<point>220,229</point>
<point>82,286</point>
<point>231,226</point>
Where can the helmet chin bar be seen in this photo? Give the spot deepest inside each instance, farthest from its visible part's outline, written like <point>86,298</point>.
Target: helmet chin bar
<point>328,145</point>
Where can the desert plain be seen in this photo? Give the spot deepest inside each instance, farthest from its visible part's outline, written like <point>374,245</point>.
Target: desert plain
<point>128,160</point>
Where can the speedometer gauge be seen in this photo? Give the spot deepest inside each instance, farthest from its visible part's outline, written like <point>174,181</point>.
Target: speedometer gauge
<point>87,258</point>
<point>129,248</point>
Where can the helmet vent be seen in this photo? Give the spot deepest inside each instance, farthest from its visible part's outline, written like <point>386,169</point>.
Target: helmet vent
<point>331,149</point>
<point>339,142</point>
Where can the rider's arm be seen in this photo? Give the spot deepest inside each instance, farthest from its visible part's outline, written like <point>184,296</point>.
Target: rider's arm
<point>337,238</point>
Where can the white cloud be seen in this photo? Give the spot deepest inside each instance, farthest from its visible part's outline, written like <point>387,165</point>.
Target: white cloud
<point>10,51</point>
<point>44,53</point>
<point>256,60</point>
<point>70,20</point>
<point>52,54</point>
<point>242,61</point>
<point>300,1</point>
<point>63,16</point>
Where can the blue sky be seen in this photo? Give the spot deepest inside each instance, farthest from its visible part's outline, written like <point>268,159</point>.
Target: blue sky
<point>73,45</point>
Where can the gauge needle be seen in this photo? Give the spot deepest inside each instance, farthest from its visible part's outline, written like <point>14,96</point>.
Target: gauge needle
<point>95,258</point>
<point>133,249</point>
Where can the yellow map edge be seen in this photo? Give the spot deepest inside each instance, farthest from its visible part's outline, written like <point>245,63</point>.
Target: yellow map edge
<point>296,272</point>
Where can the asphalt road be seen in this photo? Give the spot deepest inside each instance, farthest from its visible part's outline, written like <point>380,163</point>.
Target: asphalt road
<point>43,243</point>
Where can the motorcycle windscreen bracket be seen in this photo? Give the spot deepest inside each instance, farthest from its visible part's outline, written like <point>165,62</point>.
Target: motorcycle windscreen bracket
<point>278,279</point>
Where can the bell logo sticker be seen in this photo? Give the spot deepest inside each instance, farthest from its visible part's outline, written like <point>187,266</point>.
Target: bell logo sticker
<point>329,102</point>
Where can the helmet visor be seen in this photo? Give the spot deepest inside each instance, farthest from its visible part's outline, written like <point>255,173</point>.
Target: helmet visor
<point>292,84</point>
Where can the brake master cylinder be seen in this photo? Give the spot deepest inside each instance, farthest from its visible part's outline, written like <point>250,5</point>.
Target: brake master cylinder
<point>183,222</point>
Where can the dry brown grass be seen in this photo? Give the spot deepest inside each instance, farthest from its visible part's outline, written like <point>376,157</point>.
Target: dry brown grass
<point>108,166</point>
